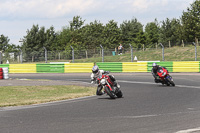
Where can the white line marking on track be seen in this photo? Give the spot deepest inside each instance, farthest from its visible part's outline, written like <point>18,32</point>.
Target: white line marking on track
<point>135,82</point>
<point>190,130</point>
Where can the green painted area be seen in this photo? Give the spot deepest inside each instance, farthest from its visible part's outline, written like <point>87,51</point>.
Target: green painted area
<point>112,67</point>
<point>4,65</point>
<point>50,68</point>
<point>168,65</point>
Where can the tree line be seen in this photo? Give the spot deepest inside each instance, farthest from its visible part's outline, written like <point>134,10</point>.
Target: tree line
<point>89,36</point>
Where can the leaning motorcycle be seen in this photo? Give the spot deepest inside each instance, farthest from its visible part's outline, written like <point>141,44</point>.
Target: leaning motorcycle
<point>106,85</point>
<point>165,77</point>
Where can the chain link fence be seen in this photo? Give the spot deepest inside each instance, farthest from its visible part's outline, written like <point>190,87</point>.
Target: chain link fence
<point>189,53</point>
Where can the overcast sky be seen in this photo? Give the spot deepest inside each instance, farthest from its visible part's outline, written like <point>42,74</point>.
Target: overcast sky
<point>17,16</point>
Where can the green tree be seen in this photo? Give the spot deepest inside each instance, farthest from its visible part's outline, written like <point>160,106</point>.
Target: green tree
<point>4,43</point>
<point>92,35</point>
<point>34,42</point>
<point>50,39</point>
<point>152,33</point>
<point>191,21</point>
<point>76,37</point>
<point>63,39</point>
<point>130,30</point>
<point>112,35</point>
<point>169,31</point>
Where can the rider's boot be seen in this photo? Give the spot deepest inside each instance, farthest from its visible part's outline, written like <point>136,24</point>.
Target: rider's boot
<point>116,86</point>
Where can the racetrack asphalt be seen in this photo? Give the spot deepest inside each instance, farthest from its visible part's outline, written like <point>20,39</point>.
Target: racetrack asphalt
<point>145,108</point>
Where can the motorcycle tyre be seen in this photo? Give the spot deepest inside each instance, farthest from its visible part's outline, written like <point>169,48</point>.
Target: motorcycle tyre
<point>171,82</point>
<point>112,96</point>
<point>119,94</point>
<point>99,91</point>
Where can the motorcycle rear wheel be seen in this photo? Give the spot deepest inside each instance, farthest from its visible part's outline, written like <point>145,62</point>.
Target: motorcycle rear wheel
<point>119,94</point>
<point>172,83</point>
<point>110,93</point>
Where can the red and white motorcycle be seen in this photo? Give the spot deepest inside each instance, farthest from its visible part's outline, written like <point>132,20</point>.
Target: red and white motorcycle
<point>165,77</point>
<point>106,85</point>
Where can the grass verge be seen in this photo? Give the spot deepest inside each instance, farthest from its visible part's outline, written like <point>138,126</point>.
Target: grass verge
<point>26,95</point>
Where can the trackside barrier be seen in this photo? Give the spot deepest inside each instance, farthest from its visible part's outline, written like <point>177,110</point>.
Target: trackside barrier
<point>182,66</point>
<point>50,68</point>
<point>22,68</point>
<point>5,73</point>
<point>189,66</point>
<point>112,67</point>
<point>134,67</point>
<point>78,67</point>
<point>1,73</point>
<point>168,65</point>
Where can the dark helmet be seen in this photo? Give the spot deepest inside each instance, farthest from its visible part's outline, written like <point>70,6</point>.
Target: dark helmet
<point>95,69</point>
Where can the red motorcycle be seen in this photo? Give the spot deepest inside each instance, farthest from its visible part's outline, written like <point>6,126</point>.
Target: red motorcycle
<point>106,85</point>
<point>165,77</point>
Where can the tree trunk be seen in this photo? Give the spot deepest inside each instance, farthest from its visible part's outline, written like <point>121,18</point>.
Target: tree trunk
<point>183,43</point>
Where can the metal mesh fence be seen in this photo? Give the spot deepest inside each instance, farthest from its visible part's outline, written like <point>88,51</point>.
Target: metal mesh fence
<point>91,55</point>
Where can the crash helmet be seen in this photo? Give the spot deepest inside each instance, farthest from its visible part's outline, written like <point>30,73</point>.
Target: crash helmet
<point>95,69</point>
<point>154,65</point>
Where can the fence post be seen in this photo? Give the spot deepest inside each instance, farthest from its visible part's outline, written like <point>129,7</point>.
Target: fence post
<point>45,55</point>
<point>102,53</point>
<point>72,54</point>
<point>131,52</point>
<point>195,51</point>
<point>1,60</point>
<point>1,57</point>
<point>162,52</point>
<point>21,58</point>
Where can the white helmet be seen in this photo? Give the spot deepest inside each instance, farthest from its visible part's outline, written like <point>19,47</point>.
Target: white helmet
<point>154,65</point>
<point>95,69</point>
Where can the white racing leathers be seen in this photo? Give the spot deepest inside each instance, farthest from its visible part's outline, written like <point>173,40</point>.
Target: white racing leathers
<point>94,76</point>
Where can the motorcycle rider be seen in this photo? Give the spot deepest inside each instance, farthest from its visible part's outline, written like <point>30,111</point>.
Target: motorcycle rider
<point>154,71</point>
<point>96,72</point>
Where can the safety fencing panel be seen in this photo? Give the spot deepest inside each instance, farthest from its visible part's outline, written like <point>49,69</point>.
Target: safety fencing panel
<point>187,66</point>
<point>112,67</point>
<point>176,66</point>
<point>50,68</point>
<point>22,68</point>
<point>78,67</point>
<point>168,65</point>
<point>4,65</point>
<point>134,66</point>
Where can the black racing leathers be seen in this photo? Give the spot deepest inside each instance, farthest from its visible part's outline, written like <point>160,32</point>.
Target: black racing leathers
<point>155,75</point>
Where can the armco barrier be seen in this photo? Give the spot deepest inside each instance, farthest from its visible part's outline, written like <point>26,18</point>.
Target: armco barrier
<point>112,67</point>
<point>50,68</point>
<point>134,66</point>
<point>168,65</point>
<point>22,68</point>
<point>78,67</point>
<point>186,66</point>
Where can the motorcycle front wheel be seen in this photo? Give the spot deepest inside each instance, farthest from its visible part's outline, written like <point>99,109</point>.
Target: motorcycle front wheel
<point>110,93</point>
<point>171,81</point>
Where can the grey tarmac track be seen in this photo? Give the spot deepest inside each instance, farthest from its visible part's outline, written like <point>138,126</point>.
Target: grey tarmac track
<point>146,107</point>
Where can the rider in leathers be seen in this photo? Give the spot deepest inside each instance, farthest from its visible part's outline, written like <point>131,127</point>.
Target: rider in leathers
<point>96,73</point>
<point>154,71</point>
